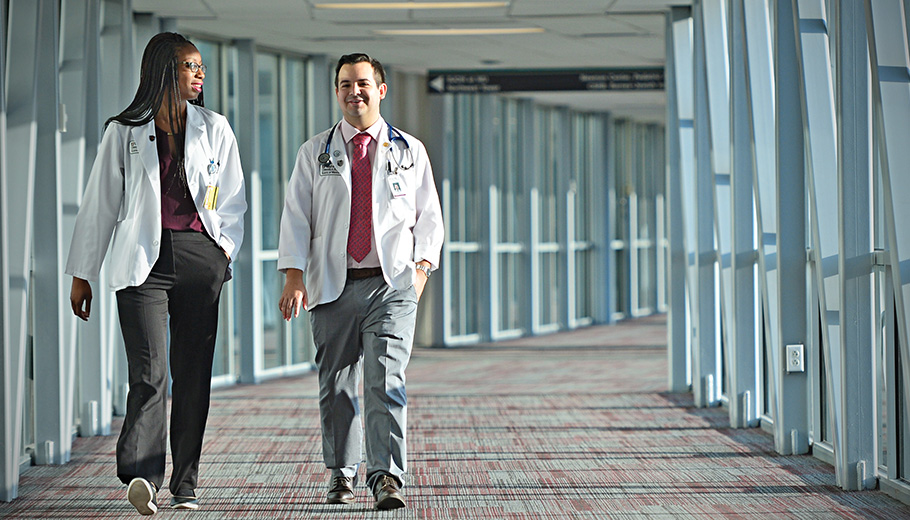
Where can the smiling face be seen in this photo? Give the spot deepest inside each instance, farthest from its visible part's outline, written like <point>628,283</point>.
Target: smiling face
<point>359,94</point>
<point>189,82</point>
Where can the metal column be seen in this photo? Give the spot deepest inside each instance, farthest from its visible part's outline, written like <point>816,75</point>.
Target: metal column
<point>247,267</point>
<point>761,90</point>
<point>887,22</point>
<point>16,200</point>
<point>791,415</point>
<point>744,344</point>
<point>706,368</point>
<point>53,359</point>
<point>680,159</point>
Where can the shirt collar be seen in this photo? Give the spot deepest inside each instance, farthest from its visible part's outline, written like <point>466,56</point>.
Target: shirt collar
<point>348,131</point>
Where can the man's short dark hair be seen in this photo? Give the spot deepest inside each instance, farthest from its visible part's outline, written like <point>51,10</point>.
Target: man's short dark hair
<point>351,59</point>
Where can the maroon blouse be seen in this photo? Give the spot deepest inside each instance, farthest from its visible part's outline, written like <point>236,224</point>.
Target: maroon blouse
<point>178,211</point>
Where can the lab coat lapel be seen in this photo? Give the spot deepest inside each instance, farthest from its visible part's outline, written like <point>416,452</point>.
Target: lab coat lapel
<point>338,145</point>
<point>380,163</point>
<point>196,148</point>
<point>144,137</point>
<point>381,158</point>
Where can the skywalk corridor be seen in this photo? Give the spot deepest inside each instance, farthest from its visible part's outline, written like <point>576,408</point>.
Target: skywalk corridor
<point>572,425</point>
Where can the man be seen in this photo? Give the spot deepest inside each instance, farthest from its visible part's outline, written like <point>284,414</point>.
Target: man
<point>362,219</point>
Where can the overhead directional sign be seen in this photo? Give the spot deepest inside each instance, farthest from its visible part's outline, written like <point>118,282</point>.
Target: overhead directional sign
<point>493,81</point>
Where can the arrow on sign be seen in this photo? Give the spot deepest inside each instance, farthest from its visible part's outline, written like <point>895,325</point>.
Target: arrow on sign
<point>438,84</point>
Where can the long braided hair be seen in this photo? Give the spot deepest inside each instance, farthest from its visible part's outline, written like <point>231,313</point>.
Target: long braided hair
<point>158,75</point>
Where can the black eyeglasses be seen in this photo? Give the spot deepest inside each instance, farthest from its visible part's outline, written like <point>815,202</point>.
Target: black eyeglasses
<point>194,67</point>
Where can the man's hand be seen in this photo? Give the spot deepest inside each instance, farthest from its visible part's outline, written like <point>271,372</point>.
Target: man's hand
<point>294,294</point>
<point>81,294</point>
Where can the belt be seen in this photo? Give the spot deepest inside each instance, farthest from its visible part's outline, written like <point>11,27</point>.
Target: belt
<point>360,274</point>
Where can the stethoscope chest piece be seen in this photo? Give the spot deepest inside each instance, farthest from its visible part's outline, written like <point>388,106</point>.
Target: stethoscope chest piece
<point>323,158</point>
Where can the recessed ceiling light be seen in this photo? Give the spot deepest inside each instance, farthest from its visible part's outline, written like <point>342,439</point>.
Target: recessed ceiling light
<point>412,5</point>
<point>459,32</point>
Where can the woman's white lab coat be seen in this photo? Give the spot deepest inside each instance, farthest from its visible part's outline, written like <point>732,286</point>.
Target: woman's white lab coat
<point>123,197</point>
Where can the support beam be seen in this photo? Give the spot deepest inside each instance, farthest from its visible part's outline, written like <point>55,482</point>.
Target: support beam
<point>817,90</point>
<point>53,360</point>
<point>80,92</point>
<point>706,370</point>
<point>761,90</point>
<point>11,375</point>
<point>890,66</point>
<point>247,267</point>
<point>790,396</point>
<point>744,344</point>
<point>717,69</point>
<point>16,200</point>
<point>856,452</point>
<point>680,159</point>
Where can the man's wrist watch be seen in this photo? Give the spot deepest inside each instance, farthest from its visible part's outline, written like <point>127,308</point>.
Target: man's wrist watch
<point>424,268</point>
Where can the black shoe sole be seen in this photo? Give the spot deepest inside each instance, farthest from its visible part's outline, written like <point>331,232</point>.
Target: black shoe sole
<point>339,500</point>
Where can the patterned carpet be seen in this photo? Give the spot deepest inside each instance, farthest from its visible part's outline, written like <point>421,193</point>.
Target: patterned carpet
<point>575,425</point>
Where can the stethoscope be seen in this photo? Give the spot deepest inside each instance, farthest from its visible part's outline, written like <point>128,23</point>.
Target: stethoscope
<point>325,158</point>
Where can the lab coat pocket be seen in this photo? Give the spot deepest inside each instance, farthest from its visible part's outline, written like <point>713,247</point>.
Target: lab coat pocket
<point>402,204</point>
<point>121,216</point>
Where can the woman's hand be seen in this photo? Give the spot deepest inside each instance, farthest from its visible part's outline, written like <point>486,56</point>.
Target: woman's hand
<point>294,294</point>
<point>81,294</point>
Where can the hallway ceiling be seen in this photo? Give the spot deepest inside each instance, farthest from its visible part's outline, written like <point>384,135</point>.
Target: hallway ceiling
<point>572,34</point>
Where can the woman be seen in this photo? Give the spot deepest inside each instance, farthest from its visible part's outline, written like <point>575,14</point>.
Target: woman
<point>166,192</point>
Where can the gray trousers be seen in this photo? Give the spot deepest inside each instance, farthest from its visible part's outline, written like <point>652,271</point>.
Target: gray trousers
<point>369,327</point>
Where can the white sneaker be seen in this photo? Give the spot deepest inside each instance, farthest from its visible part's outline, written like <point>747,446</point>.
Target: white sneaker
<point>143,496</point>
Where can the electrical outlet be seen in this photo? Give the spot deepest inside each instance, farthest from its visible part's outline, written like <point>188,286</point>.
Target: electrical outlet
<point>795,358</point>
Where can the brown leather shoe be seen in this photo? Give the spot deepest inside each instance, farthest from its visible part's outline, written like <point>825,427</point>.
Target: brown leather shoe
<point>341,492</point>
<point>388,494</point>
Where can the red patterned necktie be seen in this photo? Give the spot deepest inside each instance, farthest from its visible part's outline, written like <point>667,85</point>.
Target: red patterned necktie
<point>361,199</point>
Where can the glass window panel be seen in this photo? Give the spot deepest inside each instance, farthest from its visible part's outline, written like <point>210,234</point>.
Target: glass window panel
<point>548,185</point>
<point>510,174</point>
<point>227,333</point>
<point>881,377</point>
<point>301,346</point>
<point>622,304</point>
<point>465,313</point>
<point>549,294</point>
<point>295,122</point>
<point>510,288</point>
<point>621,230</point>
<point>646,289</point>
<point>273,331</point>
<point>584,304</point>
<point>269,160</point>
<point>466,226</point>
<point>902,431</point>
<point>211,57</point>
<point>229,76</point>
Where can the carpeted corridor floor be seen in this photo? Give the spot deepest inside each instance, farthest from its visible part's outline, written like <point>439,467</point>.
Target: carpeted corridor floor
<point>573,425</point>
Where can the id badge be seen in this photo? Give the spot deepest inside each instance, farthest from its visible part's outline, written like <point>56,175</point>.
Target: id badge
<point>396,186</point>
<point>211,197</point>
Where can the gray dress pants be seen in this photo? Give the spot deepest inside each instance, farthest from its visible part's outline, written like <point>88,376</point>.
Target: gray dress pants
<point>369,327</point>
